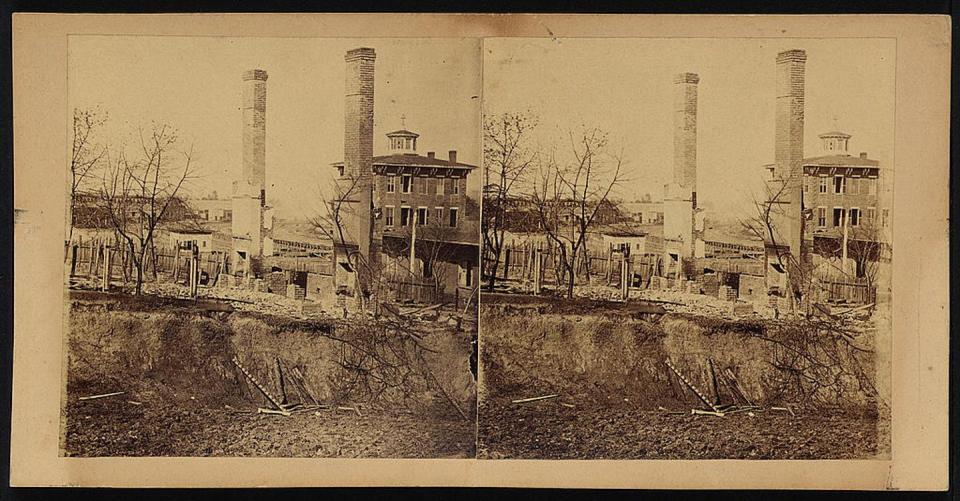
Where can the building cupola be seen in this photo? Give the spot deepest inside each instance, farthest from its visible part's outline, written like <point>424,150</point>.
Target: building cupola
<point>403,141</point>
<point>834,143</point>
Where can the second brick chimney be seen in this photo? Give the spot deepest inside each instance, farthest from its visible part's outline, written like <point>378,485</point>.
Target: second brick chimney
<point>358,145</point>
<point>788,147</point>
<point>453,156</point>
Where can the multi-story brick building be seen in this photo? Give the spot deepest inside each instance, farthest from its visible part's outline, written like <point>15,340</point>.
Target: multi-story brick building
<point>407,185</point>
<point>839,189</point>
<point>428,192</point>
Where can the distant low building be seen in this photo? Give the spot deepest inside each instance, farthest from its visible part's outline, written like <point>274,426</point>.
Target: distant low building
<point>643,212</point>
<point>214,210</point>
<point>202,238</point>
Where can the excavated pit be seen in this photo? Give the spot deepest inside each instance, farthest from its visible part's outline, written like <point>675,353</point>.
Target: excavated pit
<point>183,395</point>
<point>619,399</point>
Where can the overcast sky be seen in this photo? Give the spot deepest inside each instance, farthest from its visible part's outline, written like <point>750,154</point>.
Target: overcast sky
<point>621,85</point>
<point>625,87</point>
<point>194,84</point>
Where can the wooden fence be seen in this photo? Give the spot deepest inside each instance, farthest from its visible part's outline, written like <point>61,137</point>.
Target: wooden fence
<point>517,263</point>
<point>88,259</point>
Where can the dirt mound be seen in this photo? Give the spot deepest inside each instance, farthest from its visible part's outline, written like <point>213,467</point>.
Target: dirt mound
<point>175,367</point>
<point>597,356</point>
<point>590,357</point>
<point>160,353</point>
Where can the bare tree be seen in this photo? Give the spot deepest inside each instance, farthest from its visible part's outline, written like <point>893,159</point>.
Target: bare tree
<point>139,195</point>
<point>85,154</point>
<point>569,196</point>
<point>331,217</point>
<point>331,221</point>
<point>764,225</point>
<point>506,157</point>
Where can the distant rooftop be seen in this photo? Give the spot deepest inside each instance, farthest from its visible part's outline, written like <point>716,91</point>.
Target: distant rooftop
<point>840,161</point>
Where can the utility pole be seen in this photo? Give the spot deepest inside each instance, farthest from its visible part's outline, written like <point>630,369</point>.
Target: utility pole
<point>846,225</point>
<point>413,240</point>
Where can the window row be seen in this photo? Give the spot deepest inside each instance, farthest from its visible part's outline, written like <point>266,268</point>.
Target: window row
<point>405,215</point>
<point>841,185</point>
<point>856,217</point>
<point>423,185</point>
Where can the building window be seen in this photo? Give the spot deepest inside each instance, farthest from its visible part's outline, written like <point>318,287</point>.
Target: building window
<point>821,216</point>
<point>388,210</point>
<point>453,217</point>
<point>340,170</point>
<point>885,217</point>
<point>391,184</point>
<point>431,186</point>
<point>871,216</point>
<point>838,185</point>
<point>871,186</point>
<point>837,216</point>
<point>422,216</point>
<point>439,215</point>
<point>406,184</point>
<point>456,186</point>
<point>854,216</point>
<point>424,186</point>
<point>439,185</point>
<point>823,184</point>
<point>853,186</point>
<point>404,216</point>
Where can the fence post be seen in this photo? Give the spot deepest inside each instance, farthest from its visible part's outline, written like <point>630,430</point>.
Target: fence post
<point>506,265</point>
<point>73,259</point>
<point>537,271</point>
<point>105,280</point>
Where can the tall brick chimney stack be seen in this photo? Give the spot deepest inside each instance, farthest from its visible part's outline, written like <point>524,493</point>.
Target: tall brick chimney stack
<point>358,147</point>
<point>788,147</point>
<point>685,132</point>
<point>255,130</point>
<point>249,193</point>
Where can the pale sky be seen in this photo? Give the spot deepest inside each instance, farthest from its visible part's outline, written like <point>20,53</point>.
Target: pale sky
<point>194,84</point>
<point>624,86</point>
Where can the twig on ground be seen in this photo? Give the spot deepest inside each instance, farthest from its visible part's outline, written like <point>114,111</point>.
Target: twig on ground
<point>534,399</point>
<point>94,397</point>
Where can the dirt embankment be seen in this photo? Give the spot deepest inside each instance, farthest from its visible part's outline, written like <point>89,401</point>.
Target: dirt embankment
<point>184,396</point>
<point>615,387</point>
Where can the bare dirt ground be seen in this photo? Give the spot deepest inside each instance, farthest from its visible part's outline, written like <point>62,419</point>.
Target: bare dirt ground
<point>113,426</point>
<point>549,430</point>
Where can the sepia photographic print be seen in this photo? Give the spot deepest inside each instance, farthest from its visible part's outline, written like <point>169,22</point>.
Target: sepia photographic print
<point>272,247</point>
<point>686,249</point>
<point>576,251</point>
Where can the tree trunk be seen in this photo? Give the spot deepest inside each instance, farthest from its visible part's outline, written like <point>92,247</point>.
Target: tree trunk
<point>492,270</point>
<point>571,279</point>
<point>138,262</point>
